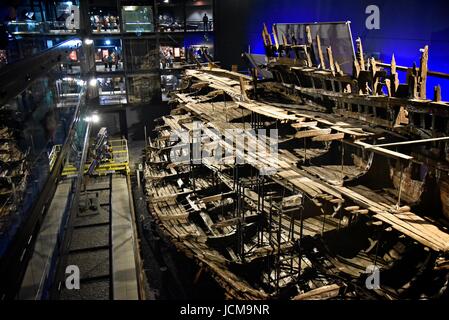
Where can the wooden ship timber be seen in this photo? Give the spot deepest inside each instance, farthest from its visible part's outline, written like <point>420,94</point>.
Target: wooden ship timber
<point>308,73</point>
<point>336,202</point>
<point>13,177</point>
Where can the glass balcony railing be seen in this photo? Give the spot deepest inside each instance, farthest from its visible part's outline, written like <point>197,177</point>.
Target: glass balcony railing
<point>138,19</point>
<point>35,118</point>
<point>199,25</point>
<point>31,125</point>
<point>33,27</point>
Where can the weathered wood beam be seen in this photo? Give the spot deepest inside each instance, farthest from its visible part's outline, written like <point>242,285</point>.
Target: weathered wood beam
<point>170,217</point>
<point>357,70</point>
<point>217,197</point>
<point>437,94</point>
<point>329,137</point>
<point>267,35</point>
<point>393,65</point>
<point>331,60</point>
<point>338,69</point>
<point>362,211</point>
<point>402,143</point>
<point>322,293</point>
<point>436,74</point>
<point>233,221</point>
<point>388,86</point>
<point>275,37</point>
<point>423,73</point>
<point>320,52</point>
<point>311,133</point>
<point>352,208</point>
<point>284,40</point>
<point>383,151</point>
<point>309,35</point>
<point>360,54</point>
<point>375,69</point>
<point>305,124</point>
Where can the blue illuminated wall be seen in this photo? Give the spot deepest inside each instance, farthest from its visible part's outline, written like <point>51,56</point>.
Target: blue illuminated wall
<point>405,26</point>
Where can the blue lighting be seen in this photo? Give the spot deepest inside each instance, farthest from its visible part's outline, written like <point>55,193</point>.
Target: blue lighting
<point>402,31</point>
<point>108,42</point>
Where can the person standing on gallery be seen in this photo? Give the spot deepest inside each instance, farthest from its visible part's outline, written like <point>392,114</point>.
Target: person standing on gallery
<point>110,60</point>
<point>206,22</point>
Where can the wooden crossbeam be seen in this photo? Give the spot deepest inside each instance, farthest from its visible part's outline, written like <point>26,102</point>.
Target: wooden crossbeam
<point>402,143</point>
<point>320,52</point>
<point>312,133</point>
<point>436,74</point>
<point>234,221</point>
<point>322,293</point>
<point>217,197</point>
<point>329,137</point>
<point>170,217</point>
<point>383,151</point>
<point>305,124</point>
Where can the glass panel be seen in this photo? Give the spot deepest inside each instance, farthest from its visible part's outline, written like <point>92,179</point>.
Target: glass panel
<point>108,55</point>
<point>104,20</point>
<point>32,125</point>
<point>111,91</point>
<point>25,27</point>
<point>21,48</point>
<point>67,18</point>
<point>138,19</point>
<point>172,57</point>
<point>336,35</point>
<point>63,17</point>
<point>199,16</point>
<point>170,82</point>
<point>144,89</point>
<point>171,16</point>
<point>199,46</point>
<point>141,54</point>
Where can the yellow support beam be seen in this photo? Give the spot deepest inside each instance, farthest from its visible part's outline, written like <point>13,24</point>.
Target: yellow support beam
<point>119,162</point>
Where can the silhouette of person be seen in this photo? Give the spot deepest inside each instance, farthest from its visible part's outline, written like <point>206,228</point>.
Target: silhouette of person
<point>206,22</point>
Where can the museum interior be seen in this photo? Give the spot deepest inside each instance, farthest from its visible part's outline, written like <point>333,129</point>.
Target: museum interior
<point>224,150</point>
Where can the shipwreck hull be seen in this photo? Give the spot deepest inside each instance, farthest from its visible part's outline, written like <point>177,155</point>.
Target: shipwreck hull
<point>311,227</point>
<point>444,196</point>
<point>409,181</point>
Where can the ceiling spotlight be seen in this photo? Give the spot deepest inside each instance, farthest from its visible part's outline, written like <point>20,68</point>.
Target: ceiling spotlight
<point>93,82</point>
<point>95,118</point>
<point>88,42</point>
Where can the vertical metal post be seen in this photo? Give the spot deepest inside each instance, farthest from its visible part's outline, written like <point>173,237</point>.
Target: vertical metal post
<point>278,255</point>
<point>398,205</point>
<point>305,150</point>
<point>301,228</point>
<point>270,220</point>
<point>342,162</point>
